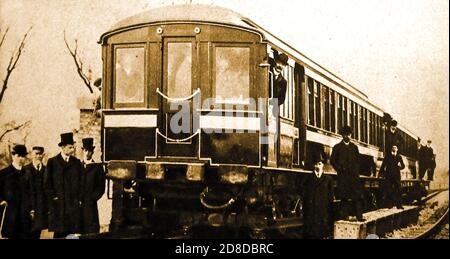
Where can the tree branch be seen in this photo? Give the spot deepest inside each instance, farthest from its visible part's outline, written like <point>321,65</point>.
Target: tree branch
<point>14,128</point>
<point>4,36</point>
<point>13,62</point>
<point>78,64</point>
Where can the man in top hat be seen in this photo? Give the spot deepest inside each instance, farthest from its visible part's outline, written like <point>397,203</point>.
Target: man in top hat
<point>12,196</point>
<point>345,160</point>
<point>318,196</point>
<point>93,188</point>
<point>34,178</point>
<point>62,184</point>
<point>279,82</point>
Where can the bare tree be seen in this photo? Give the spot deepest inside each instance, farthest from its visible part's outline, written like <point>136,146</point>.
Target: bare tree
<point>79,64</point>
<point>13,60</point>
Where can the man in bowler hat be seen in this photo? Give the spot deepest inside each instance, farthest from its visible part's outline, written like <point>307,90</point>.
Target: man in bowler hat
<point>12,196</point>
<point>62,184</point>
<point>345,160</point>
<point>34,179</point>
<point>279,82</point>
<point>93,188</point>
<point>318,196</point>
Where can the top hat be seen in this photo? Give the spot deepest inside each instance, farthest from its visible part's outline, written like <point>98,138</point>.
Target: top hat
<point>283,58</point>
<point>88,144</point>
<point>39,149</point>
<point>346,130</point>
<point>66,139</point>
<point>19,150</point>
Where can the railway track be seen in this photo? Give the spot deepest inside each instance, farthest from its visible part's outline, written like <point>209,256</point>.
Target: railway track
<point>433,219</point>
<point>430,231</point>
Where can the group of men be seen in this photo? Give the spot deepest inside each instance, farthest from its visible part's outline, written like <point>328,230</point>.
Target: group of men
<point>318,191</point>
<point>60,196</point>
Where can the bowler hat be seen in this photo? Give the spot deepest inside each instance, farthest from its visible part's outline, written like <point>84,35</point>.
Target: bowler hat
<point>39,149</point>
<point>66,139</point>
<point>19,150</point>
<point>88,144</point>
<point>346,130</point>
<point>283,58</point>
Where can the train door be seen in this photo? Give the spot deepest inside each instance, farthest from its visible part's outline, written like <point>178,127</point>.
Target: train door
<point>176,134</point>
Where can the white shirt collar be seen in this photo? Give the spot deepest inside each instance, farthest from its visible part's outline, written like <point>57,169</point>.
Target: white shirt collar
<point>318,174</point>
<point>37,165</point>
<point>66,158</point>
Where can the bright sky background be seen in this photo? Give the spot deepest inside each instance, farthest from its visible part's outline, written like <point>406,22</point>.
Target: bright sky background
<point>396,51</point>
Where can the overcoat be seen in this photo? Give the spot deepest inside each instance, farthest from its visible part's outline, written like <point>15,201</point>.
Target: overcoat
<point>93,188</point>
<point>63,187</point>
<point>34,180</point>
<point>345,160</point>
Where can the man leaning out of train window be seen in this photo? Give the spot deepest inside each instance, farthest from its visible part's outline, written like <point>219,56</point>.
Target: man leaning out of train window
<point>317,193</point>
<point>279,82</point>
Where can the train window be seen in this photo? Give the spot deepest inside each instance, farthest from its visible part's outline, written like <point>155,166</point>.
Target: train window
<point>129,75</point>
<point>317,103</point>
<point>179,69</point>
<point>345,110</point>
<point>356,120</point>
<point>327,107</point>
<point>232,79</point>
<point>332,112</point>
<point>287,109</point>
<point>311,101</point>
<point>339,112</point>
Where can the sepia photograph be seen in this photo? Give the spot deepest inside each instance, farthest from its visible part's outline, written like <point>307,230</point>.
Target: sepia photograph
<point>224,120</point>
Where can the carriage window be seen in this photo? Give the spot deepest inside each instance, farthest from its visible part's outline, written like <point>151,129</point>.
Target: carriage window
<point>179,67</point>
<point>129,75</point>
<point>317,101</point>
<point>232,78</point>
<point>326,94</point>
<point>311,101</point>
<point>287,109</point>
<point>332,111</point>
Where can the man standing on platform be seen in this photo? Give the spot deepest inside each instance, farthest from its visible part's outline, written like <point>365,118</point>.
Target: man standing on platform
<point>345,160</point>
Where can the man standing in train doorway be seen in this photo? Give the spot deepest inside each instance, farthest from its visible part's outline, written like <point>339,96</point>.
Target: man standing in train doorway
<point>93,188</point>
<point>279,82</point>
<point>345,160</point>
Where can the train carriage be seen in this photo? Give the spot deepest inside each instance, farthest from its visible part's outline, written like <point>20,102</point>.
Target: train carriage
<point>188,133</point>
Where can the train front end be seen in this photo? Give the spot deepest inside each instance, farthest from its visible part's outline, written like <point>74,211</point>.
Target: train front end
<point>182,117</point>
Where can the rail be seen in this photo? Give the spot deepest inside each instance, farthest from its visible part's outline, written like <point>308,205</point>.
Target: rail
<point>178,99</point>
<point>3,219</point>
<point>435,228</point>
<point>178,140</point>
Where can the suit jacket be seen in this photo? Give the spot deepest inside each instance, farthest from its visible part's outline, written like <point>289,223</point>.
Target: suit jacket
<point>345,160</point>
<point>391,166</point>
<point>93,188</point>
<point>279,89</point>
<point>63,187</point>
<point>34,180</point>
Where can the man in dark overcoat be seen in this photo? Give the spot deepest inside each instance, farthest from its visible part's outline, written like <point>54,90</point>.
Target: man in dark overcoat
<point>279,82</point>
<point>34,178</point>
<point>391,167</point>
<point>345,160</point>
<point>425,159</point>
<point>62,184</point>
<point>318,196</point>
<point>93,188</point>
<point>13,202</point>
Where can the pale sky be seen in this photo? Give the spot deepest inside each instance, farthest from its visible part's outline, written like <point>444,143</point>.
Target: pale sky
<point>396,51</point>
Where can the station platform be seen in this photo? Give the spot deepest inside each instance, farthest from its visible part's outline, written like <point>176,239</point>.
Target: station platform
<point>377,223</point>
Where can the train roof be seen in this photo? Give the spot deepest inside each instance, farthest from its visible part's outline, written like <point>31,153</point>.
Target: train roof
<point>182,13</point>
